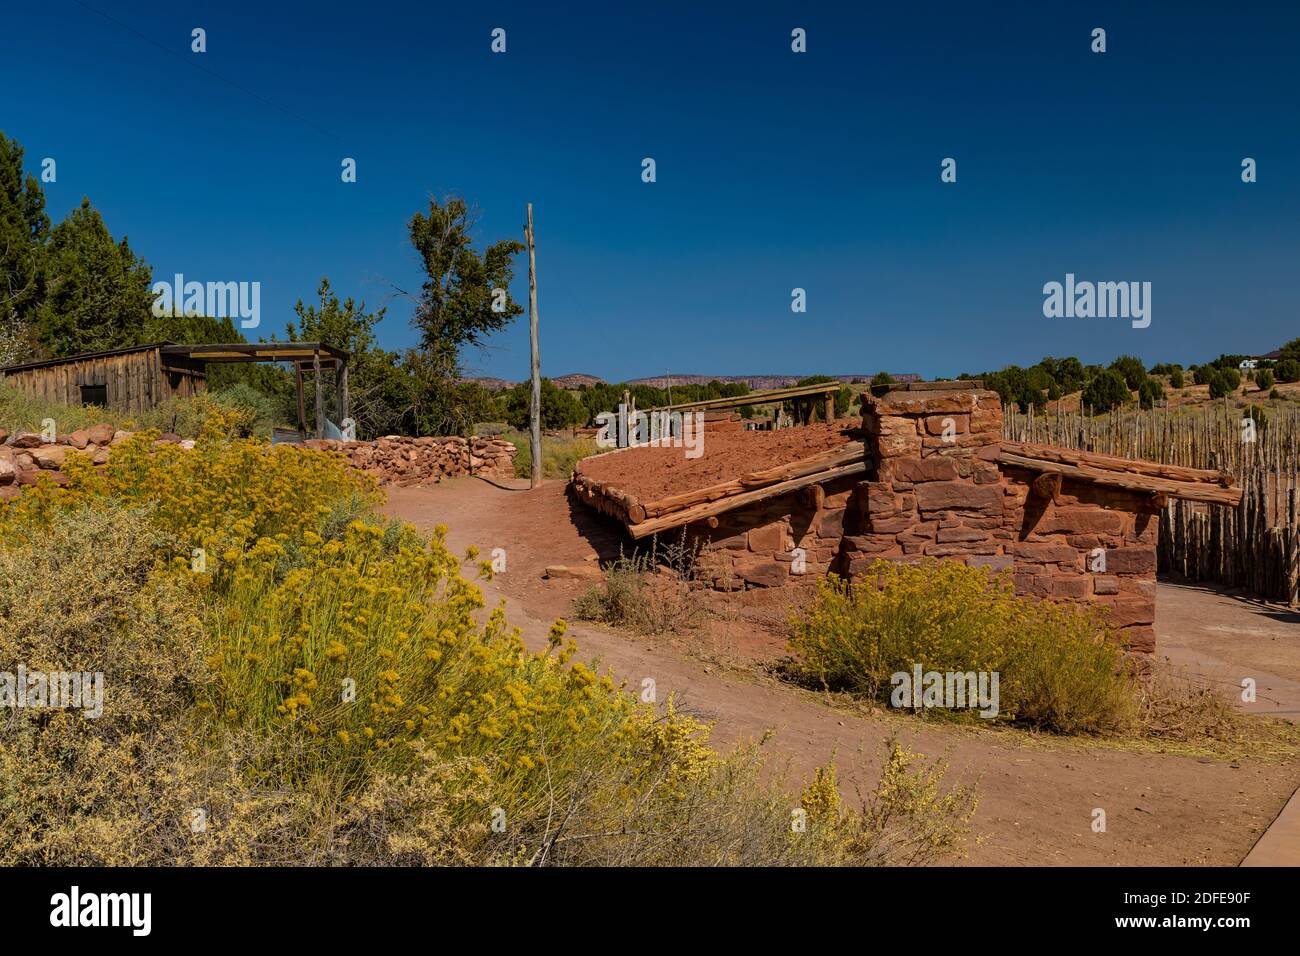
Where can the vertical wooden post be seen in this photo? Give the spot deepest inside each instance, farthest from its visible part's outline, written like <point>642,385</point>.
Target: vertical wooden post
<point>830,407</point>
<point>536,410</point>
<point>302,401</point>
<point>341,392</point>
<point>320,395</point>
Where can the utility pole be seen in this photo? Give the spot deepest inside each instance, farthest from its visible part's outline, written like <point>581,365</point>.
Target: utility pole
<point>536,413</point>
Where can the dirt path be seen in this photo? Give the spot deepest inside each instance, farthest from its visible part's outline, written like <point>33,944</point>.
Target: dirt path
<point>1036,796</point>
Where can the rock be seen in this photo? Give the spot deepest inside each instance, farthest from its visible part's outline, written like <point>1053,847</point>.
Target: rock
<point>78,439</point>
<point>934,468</point>
<point>959,496</point>
<point>26,440</point>
<point>50,457</point>
<point>994,562</point>
<point>579,572</point>
<point>763,572</point>
<point>1046,552</point>
<point>4,435</point>
<point>1131,561</point>
<point>7,472</point>
<point>1105,584</point>
<point>103,434</point>
<point>768,538</point>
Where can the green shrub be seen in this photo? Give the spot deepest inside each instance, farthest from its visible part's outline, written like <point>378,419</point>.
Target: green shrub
<point>637,596</point>
<point>559,454</point>
<point>1263,379</point>
<point>1132,370</point>
<point>1058,665</point>
<point>1287,370</point>
<point>1176,378</point>
<point>1150,392</point>
<point>1220,385</point>
<point>242,411</point>
<point>1106,391</point>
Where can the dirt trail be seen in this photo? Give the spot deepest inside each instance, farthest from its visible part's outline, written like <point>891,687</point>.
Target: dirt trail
<point>1036,797</point>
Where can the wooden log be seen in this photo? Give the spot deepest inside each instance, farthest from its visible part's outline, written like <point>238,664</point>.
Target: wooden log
<point>814,496</point>
<point>1047,486</point>
<point>1112,463</point>
<point>1187,490</point>
<point>846,454</point>
<point>698,512</point>
<point>535,405</point>
<point>320,395</point>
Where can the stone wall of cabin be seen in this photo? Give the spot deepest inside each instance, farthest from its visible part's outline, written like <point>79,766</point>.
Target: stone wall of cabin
<point>935,489</point>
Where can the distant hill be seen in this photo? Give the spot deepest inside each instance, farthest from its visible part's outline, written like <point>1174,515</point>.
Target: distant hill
<point>491,384</point>
<point>756,382</point>
<point>576,380</point>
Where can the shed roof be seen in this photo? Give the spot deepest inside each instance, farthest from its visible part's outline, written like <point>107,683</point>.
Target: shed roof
<point>298,352</point>
<point>85,356</point>
<point>260,352</point>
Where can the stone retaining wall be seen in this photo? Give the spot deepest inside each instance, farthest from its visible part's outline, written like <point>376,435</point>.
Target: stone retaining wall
<point>401,461</point>
<point>394,460</point>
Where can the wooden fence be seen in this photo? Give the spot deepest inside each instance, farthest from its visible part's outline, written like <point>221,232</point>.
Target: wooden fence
<point>1255,546</point>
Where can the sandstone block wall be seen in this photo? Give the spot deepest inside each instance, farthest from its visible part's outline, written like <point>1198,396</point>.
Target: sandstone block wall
<point>934,488</point>
<point>756,546</point>
<point>939,491</point>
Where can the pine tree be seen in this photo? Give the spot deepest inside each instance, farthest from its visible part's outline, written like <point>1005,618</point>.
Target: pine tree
<point>97,290</point>
<point>24,229</point>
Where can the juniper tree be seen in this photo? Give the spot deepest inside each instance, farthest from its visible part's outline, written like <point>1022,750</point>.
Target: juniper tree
<point>24,229</point>
<point>97,292</point>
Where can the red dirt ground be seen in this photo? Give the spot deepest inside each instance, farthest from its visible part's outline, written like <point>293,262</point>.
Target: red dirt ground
<point>1036,794</point>
<point>654,473</point>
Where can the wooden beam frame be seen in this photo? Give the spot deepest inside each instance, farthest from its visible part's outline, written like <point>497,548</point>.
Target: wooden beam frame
<point>757,398</point>
<point>320,396</point>
<point>1130,481</point>
<point>703,511</point>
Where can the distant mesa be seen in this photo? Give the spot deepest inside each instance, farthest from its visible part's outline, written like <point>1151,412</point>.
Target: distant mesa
<point>491,384</point>
<point>759,382</point>
<point>576,380</point>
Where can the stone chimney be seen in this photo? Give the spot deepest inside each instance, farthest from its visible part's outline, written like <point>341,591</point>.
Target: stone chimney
<point>936,489</point>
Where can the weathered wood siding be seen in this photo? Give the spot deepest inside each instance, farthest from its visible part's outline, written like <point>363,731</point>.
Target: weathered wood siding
<point>134,381</point>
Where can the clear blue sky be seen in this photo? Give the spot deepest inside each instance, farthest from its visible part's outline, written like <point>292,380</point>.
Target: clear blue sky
<point>775,170</point>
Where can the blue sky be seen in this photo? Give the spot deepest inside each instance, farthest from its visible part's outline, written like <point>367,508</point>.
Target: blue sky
<point>775,170</point>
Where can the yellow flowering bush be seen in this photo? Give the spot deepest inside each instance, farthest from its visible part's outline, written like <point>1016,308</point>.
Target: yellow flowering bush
<point>328,687</point>
<point>216,496</point>
<point>1059,665</point>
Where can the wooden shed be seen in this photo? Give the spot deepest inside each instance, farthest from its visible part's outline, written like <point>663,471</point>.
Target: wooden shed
<point>139,378</point>
<point>126,380</point>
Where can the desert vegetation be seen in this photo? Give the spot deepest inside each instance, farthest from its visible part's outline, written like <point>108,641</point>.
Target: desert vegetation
<point>289,678</point>
<point>1061,668</point>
